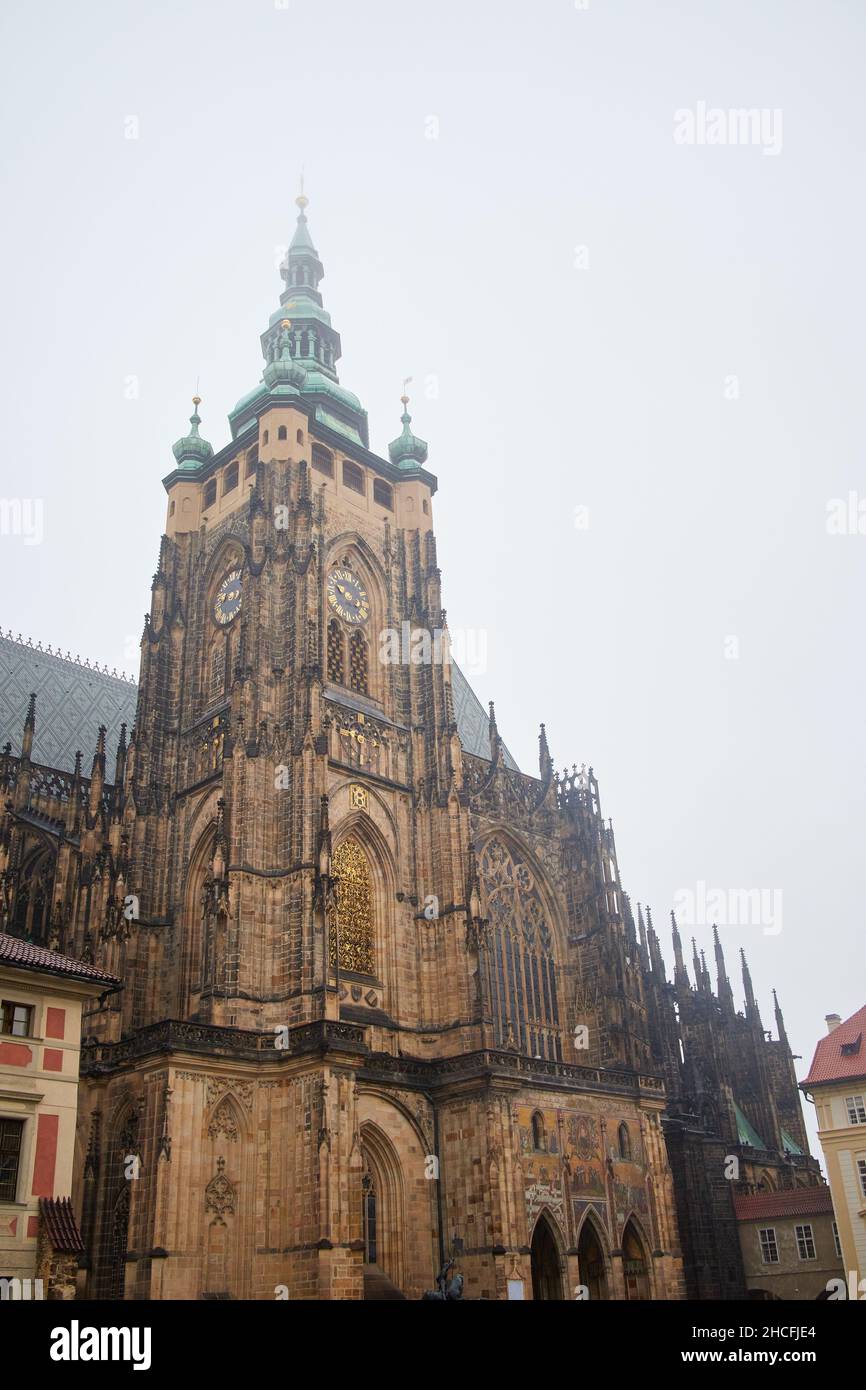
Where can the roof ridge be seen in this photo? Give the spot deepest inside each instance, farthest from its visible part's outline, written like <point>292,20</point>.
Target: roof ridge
<point>58,655</point>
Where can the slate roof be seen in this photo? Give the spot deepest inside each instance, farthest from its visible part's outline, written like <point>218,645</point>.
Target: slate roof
<point>61,1227</point>
<point>72,700</point>
<point>841,1056</point>
<point>22,956</point>
<point>798,1201</point>
<point>473,722</point>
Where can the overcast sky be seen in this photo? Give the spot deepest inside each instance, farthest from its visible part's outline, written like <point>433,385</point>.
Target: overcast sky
<point>638,362</point>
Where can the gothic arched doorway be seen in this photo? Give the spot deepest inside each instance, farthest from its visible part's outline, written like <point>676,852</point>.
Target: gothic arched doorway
<point>381,1201</point>
<point>634,1264</point>
<point>591,1262</point>
<point>546,1265</point>
<point>118,1236</point>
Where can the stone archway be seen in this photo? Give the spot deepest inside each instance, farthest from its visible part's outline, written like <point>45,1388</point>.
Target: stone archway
<point>634,1263</point>
<point>546,1263</point>
<point>381,1201</point>
<point>591,1262</point>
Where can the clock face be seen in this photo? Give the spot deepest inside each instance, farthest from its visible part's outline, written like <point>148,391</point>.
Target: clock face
<point>348,597</point>
<point>227,604</point>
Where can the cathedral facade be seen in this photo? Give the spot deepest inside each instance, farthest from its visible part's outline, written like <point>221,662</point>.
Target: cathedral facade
<point>385,1000</point>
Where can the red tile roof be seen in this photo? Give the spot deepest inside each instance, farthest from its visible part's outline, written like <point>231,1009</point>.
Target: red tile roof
<point>22,955</point>
<point>799,1201</point>
<point>830,1062</point>
<point>61,1227</point>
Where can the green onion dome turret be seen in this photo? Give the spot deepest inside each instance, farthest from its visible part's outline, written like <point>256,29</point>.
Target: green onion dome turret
<point>192,451</point>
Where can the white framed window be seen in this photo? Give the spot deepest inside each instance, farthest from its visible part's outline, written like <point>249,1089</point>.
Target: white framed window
<point>861,1173</point>
<point>836,1241</point>
<point>11,1154</point>
<point>769,1248</point>
<point>805,1242</point>
<point>856,1110</point>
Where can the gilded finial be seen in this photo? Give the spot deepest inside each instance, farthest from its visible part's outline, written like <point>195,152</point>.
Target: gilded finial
<point>302,201</point>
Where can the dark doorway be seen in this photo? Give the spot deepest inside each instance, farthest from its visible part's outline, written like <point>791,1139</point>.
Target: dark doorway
<point>546,1276</point>
<point>590,1262</point>
<point>634,1265</point>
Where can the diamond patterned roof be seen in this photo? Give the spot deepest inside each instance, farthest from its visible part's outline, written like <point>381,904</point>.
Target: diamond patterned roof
<point>473,723</point>
<point>72,700</point>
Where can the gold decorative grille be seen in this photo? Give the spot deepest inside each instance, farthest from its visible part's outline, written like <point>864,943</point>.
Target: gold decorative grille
<point>336,668</point>
<point>354,925</point>
<point>358,665</point>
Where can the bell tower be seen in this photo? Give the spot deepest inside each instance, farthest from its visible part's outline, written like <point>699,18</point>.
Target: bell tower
<point>383,992</point>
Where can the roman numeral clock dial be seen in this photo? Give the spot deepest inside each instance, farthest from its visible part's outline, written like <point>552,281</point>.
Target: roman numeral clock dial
<point>347,597</point>
<point>227,603</point>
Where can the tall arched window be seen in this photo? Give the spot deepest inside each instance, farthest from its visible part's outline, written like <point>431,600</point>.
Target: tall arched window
<point>354,927</point>
<point>520,967</point>
<point>217,672</point>
<point>336,654</point>
<point>368,1190</point>
<point>624,1141</point>
<point>359,672</point>
<point>538,1132</point>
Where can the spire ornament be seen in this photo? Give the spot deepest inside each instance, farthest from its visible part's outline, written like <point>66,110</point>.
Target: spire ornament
<point>192,451</point>
<point>407,451</point>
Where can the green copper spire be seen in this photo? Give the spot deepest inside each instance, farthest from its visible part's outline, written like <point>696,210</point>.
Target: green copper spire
<point>301,347</point>
<point>408,451</point>
<point>192,451</point>
<point>302,242</point>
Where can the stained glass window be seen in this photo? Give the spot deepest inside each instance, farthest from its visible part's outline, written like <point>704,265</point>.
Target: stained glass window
<point>521,970</point>
<point>354,924</point>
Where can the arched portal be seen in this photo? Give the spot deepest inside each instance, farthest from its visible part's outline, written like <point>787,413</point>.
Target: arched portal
<point>546,1264</point>
<point>381,1205</point>
<point>634,1263</point>
<point>591,1263</point>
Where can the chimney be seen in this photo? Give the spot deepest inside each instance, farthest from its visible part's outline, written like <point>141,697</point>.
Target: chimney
<point>832,1021</point>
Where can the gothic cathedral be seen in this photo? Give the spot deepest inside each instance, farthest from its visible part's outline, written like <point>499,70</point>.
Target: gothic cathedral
<point>385,1001</point>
